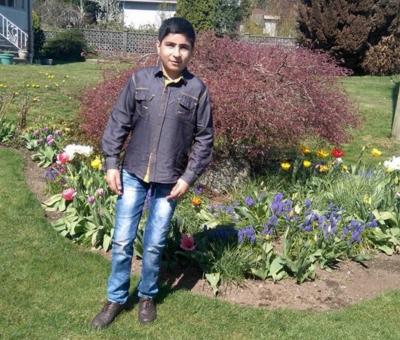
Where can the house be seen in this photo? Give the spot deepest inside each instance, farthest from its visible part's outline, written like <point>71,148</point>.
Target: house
<point>15,25</point>
<point>147,14</point>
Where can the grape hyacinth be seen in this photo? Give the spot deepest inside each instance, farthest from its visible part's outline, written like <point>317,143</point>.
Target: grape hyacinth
<point>248,233</point>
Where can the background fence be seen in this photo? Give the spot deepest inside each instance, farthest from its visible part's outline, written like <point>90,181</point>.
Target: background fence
<point>144,42</point>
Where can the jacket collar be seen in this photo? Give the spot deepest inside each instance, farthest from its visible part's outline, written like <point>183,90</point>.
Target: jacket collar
<point>158,72</point>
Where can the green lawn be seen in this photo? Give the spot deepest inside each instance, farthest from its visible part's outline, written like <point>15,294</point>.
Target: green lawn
<point>373,97</point>
<point>51,288</point>
<point>60,88</point>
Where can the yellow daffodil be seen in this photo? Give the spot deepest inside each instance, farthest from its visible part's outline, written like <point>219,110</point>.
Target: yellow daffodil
<point>285,166</point>
<point>96,163</point>
<point>322,153</point>
<point>306,163</point>
<point>345,168</point>
<point>323,168</point>
<point>375,152</point>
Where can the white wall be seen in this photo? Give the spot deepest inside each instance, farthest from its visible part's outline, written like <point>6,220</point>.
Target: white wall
<point>142,15</point>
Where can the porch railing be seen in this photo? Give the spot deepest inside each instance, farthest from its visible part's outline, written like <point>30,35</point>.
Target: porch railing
<point>12,33</point>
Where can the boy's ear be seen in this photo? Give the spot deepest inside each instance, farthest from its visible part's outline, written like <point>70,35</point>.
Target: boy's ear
<point>158,44</point>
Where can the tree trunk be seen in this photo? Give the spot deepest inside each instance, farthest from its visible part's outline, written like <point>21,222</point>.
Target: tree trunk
<point>396,120</point>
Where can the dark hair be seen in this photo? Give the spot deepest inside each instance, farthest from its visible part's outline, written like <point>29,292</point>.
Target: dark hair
<point>177,25</point>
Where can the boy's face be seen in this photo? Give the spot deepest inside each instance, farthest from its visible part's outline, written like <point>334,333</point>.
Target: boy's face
<point>175,52</point>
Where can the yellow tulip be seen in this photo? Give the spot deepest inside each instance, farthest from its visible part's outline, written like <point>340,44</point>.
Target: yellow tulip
<point>305,150</point>
<point>322,153</point>
<point>323,168</point>
<point>345,168</point>
<point>306,163</point>
<point>375,152</point>
<point>96,163</point>
<point>285,166</point>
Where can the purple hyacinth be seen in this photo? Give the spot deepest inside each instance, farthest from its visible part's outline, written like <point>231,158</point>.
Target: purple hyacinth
<point>247,234</point>
<point>279,206</point>
<point>372,224</point>
<point>307,203</point>
<point>249,201</point>
<point>355,228</point>
<point>270,226</point>
<point>309,221</point>
<point>230,210</point>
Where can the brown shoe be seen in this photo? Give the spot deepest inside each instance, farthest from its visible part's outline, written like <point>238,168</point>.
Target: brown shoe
<point>147,310</point>
<point>107,315</point>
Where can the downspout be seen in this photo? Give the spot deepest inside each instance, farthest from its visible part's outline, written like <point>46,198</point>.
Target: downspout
<point>30,31</point>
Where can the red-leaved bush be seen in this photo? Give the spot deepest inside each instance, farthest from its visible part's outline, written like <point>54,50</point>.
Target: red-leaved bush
<point>264,98</point>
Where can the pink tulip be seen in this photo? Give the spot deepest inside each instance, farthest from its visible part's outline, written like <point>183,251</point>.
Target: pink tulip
<point>62,158</point>
<point>69,194</point>
<point>187,242</point>
<point>91,199</point>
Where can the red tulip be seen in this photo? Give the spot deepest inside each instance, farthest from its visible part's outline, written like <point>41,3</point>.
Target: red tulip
<point>187,242</point>
<point>69,194</point>
<point>337,153</point>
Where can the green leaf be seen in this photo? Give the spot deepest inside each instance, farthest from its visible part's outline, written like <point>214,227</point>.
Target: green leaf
<point>106,242</point>
<point>386,249</point>
<point>52,200</point>
<point>276,267</point>
<point>213,279</point>
<point>260,273</point>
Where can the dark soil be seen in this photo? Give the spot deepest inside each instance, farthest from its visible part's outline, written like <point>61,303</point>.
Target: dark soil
<point>347,285</point>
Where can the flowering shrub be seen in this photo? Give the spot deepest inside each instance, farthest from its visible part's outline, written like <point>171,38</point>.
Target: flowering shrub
<point>285,95</point>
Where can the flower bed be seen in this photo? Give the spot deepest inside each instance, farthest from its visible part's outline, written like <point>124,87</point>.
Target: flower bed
<point>314,210</point>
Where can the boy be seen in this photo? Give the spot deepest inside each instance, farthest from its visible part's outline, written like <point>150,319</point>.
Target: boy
<point>167,111</point>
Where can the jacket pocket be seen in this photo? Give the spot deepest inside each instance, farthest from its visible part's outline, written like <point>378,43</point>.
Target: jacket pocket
<point>143,99</point>
<point>186,107</point>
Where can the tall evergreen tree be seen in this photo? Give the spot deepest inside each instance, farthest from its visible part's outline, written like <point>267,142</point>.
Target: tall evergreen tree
<point>347,28</point>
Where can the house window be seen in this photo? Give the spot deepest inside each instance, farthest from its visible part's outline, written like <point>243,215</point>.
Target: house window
<point>17,4</point>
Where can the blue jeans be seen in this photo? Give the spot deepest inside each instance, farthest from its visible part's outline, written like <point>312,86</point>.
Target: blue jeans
<point>129,210</point>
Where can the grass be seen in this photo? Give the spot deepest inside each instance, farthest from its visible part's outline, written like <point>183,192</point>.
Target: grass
<point>52,288</point>
<point>374,98</point>
<point>56,91</point>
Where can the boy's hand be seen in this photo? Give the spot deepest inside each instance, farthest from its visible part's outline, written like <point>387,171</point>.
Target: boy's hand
<point>113,179</point>
<point>179,189</point>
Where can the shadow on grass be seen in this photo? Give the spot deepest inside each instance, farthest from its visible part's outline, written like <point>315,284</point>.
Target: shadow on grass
<point>181,273</point>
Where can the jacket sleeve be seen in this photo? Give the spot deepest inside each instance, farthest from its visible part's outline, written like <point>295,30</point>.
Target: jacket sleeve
<point>119,125</point>
<point>201,152</point>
